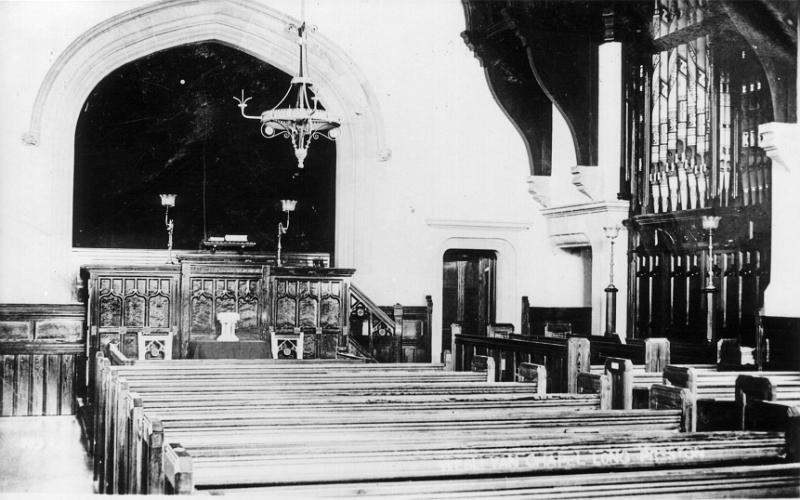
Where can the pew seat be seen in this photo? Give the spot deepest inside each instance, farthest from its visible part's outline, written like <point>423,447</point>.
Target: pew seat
<point>192,467</point>
<point>758,481</point>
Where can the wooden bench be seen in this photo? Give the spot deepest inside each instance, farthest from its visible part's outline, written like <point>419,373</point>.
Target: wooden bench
<point>714,393</point>
<point>194,379</point>
<point>751,481</point>
<point>118,429</point>
<point>112,425</point>
<point>767,402</point>
<point>435,447</point>
<point>421,418</point>
<point>562,358</point>
<point>189,467</point>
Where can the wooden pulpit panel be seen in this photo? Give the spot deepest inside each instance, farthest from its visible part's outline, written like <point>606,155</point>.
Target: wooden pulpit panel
<point>312,299</point>
<point>125,300</point>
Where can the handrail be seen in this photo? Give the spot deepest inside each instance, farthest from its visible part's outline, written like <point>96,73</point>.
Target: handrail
<point>116,356</point>
<point>358,353</point>
<point>372,307</point>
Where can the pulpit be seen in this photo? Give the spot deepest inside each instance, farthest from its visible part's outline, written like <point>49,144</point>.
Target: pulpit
<point>197,301</point>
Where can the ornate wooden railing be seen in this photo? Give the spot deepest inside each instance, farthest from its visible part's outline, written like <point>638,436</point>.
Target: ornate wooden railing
<point>395,333</point>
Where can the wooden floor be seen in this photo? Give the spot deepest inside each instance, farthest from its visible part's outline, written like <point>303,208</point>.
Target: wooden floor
<point>43,455</point>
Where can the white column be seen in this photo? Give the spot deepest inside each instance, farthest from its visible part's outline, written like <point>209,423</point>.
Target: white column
<point>780,141</point>
<point>609,117</point>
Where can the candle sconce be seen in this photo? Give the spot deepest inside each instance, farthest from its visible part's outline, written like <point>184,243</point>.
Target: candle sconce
<point>287,206</point>
<point>167,201</point>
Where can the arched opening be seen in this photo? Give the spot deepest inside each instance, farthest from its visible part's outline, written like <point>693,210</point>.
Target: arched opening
<point>247,26</point>
<point>166,123</point>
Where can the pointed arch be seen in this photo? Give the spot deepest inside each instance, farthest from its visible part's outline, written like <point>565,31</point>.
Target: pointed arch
<point>245,25</point>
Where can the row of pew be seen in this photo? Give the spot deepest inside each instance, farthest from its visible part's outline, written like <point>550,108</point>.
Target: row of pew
<point>292,429</point>
<point>564,364</point>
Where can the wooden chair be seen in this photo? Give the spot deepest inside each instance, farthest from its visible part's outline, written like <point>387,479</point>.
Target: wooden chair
<point>286,343</point>
<point>155,346</point>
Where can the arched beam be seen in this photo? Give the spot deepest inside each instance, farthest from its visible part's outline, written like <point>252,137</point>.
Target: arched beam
<point>561,43</point>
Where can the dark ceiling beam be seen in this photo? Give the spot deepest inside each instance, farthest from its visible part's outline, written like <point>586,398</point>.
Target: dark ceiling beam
<point>511,81</point>
<point>561,44</point>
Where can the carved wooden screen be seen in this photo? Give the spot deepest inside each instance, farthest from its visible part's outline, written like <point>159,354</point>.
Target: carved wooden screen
<point>211,288</point>
<point>313,301</point>
<point>693,106</point>
<point>126,301</point>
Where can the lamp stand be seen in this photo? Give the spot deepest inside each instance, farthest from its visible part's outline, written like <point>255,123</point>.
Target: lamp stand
<point>281,231</point>
<point>170,227</point>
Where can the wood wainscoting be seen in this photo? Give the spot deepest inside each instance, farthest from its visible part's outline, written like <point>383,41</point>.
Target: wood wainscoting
<point>43,358</point>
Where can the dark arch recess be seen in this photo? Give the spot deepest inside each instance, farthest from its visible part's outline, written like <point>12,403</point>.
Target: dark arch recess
<point>167,123</point>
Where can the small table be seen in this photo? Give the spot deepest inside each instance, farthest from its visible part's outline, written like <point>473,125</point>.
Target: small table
<point>243,349</point>
<point>241,246</point>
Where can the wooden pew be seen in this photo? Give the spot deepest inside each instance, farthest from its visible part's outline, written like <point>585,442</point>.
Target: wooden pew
<point>751,481</point>
<point>566,360</point>
<point>714,393</point>
<point>111,433</point>
<point>189,467</point>
<point>768,402</point>
<point>195,445</point>
<point>572,399</point>
<point>113,428</point>
<point>420,412</point>
<point>562,358</point>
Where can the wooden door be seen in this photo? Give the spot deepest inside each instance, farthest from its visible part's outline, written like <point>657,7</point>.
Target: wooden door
<point>468,293</point>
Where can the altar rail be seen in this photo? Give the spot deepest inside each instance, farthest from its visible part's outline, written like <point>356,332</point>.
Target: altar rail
<point>43,354</point>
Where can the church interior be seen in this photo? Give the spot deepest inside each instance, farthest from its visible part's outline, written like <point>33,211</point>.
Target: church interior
<point>284,248</point>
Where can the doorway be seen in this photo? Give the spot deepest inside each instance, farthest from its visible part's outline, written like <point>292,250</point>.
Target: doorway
<point>468,292</point>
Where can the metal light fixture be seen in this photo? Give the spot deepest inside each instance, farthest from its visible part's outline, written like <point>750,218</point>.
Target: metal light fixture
<point>611,232</point>
<point>306,120</point>
<point>288,206</point>
<point>710,224</point>
<point>167,201</point>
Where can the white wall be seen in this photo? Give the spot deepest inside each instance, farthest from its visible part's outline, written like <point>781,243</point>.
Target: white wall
<point>457,173</point>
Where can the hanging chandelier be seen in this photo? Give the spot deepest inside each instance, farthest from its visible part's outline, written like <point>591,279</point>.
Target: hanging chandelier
<point>304,121</point>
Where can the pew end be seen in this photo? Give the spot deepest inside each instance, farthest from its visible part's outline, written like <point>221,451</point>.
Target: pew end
<point>447,360</point>
<point>656,354</point>
<point>484,364</point>
<point>578,360</point>
<point>681,376</point>
<point>667,397</point>
<point>177,470</point>
<point>116,356</point>
<point>620,376</point>
<point>595,383</point>
<point>534,374</point>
